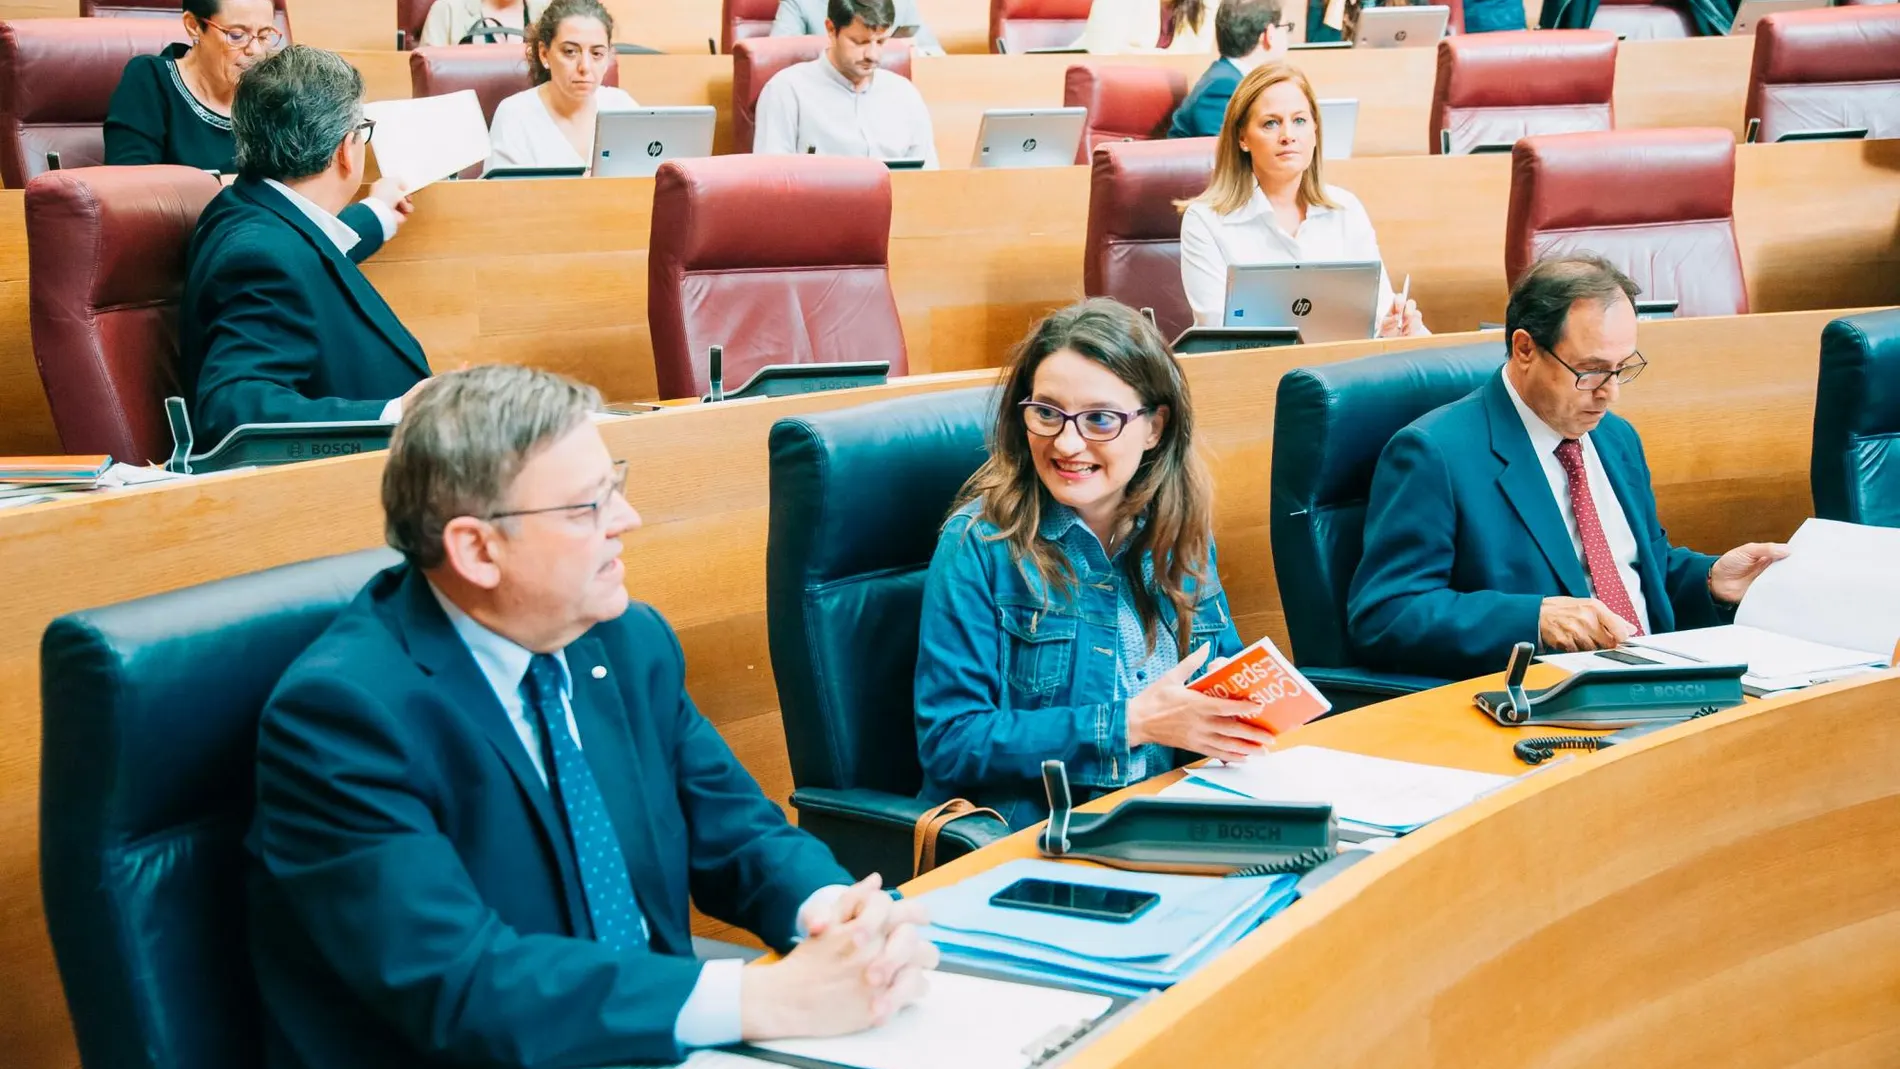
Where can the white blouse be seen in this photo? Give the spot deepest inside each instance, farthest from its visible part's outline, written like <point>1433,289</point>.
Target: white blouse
<point>523,134</point>
<point>1210,242</point>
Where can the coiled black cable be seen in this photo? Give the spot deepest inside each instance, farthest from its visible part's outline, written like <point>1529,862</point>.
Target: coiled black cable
<point>1297,865</point>
<point>1542,748</point>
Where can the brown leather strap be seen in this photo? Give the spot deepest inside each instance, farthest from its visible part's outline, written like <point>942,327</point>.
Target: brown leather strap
<point>923,842</point>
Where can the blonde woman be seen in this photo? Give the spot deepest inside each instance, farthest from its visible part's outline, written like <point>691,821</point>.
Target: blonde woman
<point>1268,204</point>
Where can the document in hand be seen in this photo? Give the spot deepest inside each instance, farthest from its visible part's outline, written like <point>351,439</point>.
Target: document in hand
<point>1372,794</point>
<point>1261,675</point>
<point>1831,608</point>
<point>422,141</point>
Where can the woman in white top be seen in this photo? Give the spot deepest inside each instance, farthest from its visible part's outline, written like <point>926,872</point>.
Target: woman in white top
<point>1267,204</point>
<point>570,49</point>
<point>451,20</point>
<point>1123,27</point>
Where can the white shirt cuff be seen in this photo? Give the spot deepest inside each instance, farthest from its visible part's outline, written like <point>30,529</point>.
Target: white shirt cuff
<point>384,215</point>
<point>710,1017</point>
<point>392,412</point>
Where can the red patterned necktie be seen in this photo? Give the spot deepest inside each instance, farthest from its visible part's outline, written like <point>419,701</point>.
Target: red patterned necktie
<point>1604,578</point>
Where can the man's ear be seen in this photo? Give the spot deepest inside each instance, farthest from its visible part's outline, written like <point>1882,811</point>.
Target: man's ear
<point>345,162</point>
<point>1523,349</point>
<point>474,550</point>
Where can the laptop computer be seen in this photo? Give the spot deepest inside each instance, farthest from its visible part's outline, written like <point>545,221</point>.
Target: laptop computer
<point>1401,27</point>
<point>1324,301</point>
<point>1029,137</point>
<point>634,142</point>
<point>1339,122</point>
<point>1752,11</point>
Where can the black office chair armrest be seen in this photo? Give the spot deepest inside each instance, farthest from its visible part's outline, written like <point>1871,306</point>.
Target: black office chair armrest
<point>1350,688</point>
<point>871,831</point>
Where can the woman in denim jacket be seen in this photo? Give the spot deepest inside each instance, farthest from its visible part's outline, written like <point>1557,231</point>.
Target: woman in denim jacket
<point>1077,572</point>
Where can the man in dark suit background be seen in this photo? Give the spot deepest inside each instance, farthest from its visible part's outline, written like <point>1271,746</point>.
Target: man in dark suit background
<point>277,323</point>
<point>1523,512</point>
<point>485,799</point>
<point>1248,33</point>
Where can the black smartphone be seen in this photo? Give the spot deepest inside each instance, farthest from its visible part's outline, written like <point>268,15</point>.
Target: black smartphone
<point>1114,904</point>
<point>1625,657</point>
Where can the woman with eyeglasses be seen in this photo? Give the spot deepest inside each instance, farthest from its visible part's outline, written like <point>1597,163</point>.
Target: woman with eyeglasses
<point>175,107</point>
<point>570,51</point>
<point>1074,591</point>
<point>1268,204</point>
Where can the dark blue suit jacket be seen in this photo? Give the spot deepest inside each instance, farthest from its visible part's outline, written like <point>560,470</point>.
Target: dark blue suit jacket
<point>414,898</point>
<point>277,326</point>
<point>1204,107</point>
<point>1463,541</point>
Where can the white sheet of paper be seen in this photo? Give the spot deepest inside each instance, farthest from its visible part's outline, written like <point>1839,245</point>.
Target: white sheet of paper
<point>1596,662</point>
<point>1839,586</point>
<point>1768,655</point>
<point>935,1032</point>
<point>1369,790</point>
<point>422,141</point>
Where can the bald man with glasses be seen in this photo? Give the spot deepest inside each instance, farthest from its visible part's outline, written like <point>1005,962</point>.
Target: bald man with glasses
<point>1523,512</point>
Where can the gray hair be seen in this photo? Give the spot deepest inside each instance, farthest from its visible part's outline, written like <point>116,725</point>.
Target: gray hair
<point>461,444</point>
<point>1540,302</point>
<point>292,110</point>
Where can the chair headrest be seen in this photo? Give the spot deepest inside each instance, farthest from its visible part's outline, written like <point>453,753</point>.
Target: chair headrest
<point>1527,68</point>
<point>65,70</point>
<point>1133,185</point>
<point>1622,178</point>
<point>749,212</point>
<point>1860,356</point>
<point>1837,44</point>
<point>1044,9</point>
<point>1332,421</point>
<point>1107,89</point>
<point>104,236</point>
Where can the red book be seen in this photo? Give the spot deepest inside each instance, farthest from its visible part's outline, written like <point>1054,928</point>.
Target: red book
<point>1261,675</point>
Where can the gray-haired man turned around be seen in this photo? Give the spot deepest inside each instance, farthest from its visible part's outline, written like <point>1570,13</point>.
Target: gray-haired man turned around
<point>485,799</point>
<point>277,323</point>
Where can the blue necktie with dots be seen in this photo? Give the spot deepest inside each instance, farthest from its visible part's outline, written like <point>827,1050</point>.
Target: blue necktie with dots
<point>617,919</point>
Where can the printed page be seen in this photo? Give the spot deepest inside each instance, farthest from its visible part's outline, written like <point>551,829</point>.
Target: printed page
<point>1839,586</point>
<point>1366,790</point>
<point>422,141</point>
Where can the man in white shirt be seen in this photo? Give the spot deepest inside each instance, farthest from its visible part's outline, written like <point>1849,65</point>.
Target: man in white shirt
<point>1523,512</point>
<point>843,103</point>
<point>277,323</point>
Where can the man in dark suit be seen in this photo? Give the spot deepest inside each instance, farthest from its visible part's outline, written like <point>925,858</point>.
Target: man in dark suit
<point>1523,512</point>
<point>485,800</point>
<point>1249,33</point>
<point>277,323</point>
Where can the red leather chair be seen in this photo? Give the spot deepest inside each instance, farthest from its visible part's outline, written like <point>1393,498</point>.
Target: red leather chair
<point>1025,24</point>
<point>1494,88</point>
<point>757,59</point>
<point>411,15</point>
<point>742,20</point>
<point>1826,69</point>
<point>105,264</point>
<point>780,259</point>
<point>1124,103</point>
<point>159,9</point>
<point>1657,203</point>
<point>1133,250</point>
<point>1642,20</point>
<point>56,80</point>
<point>495,71</point>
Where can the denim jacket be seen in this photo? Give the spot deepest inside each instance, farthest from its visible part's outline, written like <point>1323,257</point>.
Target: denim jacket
<point>1010,674</point>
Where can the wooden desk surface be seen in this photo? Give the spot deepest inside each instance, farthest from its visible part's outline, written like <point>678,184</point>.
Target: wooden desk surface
<point>1721,893</point>
<point>1725,410</point>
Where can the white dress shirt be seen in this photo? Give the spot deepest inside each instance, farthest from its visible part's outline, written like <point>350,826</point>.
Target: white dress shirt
<point>1616,526</point>
<point>523,134</point>
<point>345,239</point>
<point>1210,243</point>
<point>812,107</point>
<point>710,1017</point>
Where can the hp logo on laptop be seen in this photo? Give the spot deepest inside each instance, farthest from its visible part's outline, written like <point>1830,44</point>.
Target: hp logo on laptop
<point>1302,306</point>
<point>1029,144</point>
<point>654,148</point>
<point>1399,36</point>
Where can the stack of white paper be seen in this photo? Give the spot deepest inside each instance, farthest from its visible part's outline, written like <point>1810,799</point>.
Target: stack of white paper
<point>1372,794</point>
<point>424,140</point>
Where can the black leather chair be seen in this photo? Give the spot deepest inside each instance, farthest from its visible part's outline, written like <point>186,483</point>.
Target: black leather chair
<point>857,497</point>
<point>1855,468</point>
<point>149,731</point>
<point>1330,424</point>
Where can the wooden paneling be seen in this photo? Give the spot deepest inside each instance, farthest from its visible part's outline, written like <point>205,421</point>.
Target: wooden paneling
<point>39,9</point>
<point>26,424</point>
<point>1725,410</point>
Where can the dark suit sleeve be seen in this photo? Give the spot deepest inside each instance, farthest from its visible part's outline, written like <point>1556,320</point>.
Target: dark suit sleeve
<point>1685,572</point>
<point>346,829</point>
<point>369,230</point>
<point>1402,612</point>
<point>135,119</point>
<point>749,866</point>
<point>263,345</point>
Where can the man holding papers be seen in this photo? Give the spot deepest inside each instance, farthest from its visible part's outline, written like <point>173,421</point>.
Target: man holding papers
<point>1523,512</point>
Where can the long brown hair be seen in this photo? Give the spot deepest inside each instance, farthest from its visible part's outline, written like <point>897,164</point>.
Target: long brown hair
<point>1233,182</point>
<point>1170,490</point>
<point>1184,15</point>
<point>541,35</point>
